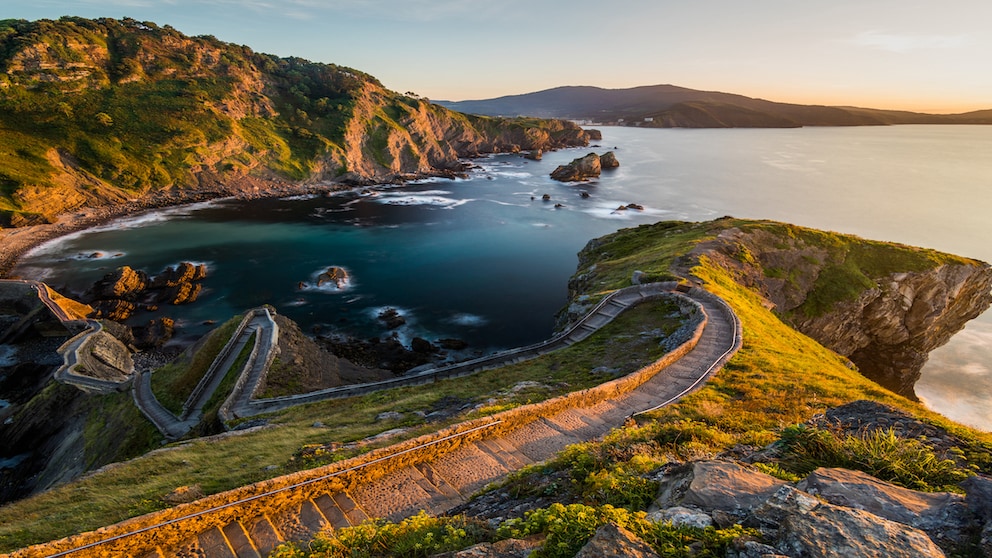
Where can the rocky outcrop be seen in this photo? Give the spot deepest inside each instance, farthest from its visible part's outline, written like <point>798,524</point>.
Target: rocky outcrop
<point>582,168</point>
<point>832,512</point>
<point>123,291</point>
<point>884,306</point>
<point>608,160</point>
<point>105,358</point>
<point>334,275</point>
<point>612,540</point>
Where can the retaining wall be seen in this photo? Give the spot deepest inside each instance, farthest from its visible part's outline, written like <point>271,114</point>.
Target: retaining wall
<point>167,528</point>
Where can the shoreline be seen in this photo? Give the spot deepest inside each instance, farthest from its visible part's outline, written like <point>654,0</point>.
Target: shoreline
<point>15,242</point>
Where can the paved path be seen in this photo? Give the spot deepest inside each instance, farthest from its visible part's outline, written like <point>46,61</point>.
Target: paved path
<point>600,315</point>
<point>173,427</point>
<point>451,478</point>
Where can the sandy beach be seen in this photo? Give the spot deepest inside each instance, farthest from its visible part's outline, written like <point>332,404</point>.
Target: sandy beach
<point>15,242</point>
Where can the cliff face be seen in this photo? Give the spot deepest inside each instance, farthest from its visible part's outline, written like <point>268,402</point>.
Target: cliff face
<point>884,306</point>
<point>97,112</point>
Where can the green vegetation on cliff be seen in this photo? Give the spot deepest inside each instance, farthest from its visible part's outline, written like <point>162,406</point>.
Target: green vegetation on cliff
<point>291,440</point>
<point>779,379</point>
<point>101,111</point>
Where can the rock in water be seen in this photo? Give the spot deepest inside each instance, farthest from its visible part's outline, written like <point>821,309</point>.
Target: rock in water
<point>114,309</point>
<point>580,169</point>
<point>391,318</point>
<point>124,283</point>
<point>608,160</point>
<point>337,276</point>
<point>534,155</point>
<point>155,334</point>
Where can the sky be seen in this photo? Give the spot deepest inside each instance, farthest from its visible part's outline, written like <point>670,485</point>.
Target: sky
<point>897,54</point>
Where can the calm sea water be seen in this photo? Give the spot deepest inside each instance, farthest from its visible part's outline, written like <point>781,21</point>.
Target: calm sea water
<point>485,260</point>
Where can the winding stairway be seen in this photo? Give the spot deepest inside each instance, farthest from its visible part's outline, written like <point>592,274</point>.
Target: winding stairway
<point>437,484</point>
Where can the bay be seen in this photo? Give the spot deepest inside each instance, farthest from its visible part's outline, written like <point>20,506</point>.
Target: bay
<point>485,260</point>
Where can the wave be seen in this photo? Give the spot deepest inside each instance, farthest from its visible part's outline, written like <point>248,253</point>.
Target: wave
<point>97,255</point>
<point>467,320</point>
<point>330,287</point>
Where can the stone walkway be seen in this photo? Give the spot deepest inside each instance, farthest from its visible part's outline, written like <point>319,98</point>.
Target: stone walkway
<point>450,479</point>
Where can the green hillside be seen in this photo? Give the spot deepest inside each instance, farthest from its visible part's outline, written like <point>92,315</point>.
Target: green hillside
<point>96,112</point>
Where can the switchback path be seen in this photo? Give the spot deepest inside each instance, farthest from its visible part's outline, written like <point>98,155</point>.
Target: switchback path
<point>258,321</point>
<point>436,484</point>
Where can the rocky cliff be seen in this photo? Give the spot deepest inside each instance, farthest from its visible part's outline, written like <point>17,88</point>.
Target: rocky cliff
<point>884,306</point>
<point>99,112</point>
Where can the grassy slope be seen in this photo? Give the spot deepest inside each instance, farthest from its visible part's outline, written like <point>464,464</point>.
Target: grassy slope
<point>138,486</point>
<point>779,378</point>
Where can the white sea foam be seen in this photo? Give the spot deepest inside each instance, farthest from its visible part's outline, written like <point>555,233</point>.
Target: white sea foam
<point>329,286</point>
<point>424,198</point>
<point>300,197</point>
<point>97,255</point>
<point>55,245</point>
<point>467,320</point>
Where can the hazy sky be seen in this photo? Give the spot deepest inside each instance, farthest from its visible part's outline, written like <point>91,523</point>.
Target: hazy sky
<point>907,54</point>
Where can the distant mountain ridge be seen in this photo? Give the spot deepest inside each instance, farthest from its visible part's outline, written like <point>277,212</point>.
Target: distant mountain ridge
<point>670,106</point>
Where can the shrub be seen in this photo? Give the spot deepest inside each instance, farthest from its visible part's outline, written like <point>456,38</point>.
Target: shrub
<point>907,462</point>
<point>569,528</point>
<point>417,536</point>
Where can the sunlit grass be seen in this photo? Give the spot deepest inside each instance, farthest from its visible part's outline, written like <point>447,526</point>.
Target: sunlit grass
<point>233,460</point>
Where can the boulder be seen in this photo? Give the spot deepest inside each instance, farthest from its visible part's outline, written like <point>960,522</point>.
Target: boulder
<point>608,160</point>
<point>154,334</point>
<point>452,344</point>
<point>978,491</point>
<point>337,276</point>
<point>123,283</point>
<point>679,516</point>
<point>182,293</point>
<point>546,197</point>
<point>715,485</point>
<point>421,345</point>
<point>582,168</point>
<point>391,318</point>
<point>389,415</point>
<point>534,155</point>
<point>509,548</point>
<point>594,135</point>
<point>613,541</point>
<point>805,527</point>
<point>940,514</point>
<point>114,309</point>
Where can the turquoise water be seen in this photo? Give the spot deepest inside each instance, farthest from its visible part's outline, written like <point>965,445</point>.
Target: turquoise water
<point>479,260</point>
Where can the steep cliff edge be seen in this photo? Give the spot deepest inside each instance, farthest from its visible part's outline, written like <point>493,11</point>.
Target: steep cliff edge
<point>100,112</point>
<point>884,306</point>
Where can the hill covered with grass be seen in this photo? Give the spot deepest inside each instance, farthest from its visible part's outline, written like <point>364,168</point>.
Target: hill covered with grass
<point>768,395</point>
<point>99,112</point>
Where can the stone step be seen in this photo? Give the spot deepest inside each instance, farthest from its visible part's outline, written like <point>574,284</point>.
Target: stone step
<point>331,511</point>
<point>439,500</point>
<point>439,482</point>
<point>468,468</point>
<point>351,510</point>
<point>508,461</point>
<point>238,538</point>
<point>214,544</point>
<point>511,450</point>
<point>264,535</point>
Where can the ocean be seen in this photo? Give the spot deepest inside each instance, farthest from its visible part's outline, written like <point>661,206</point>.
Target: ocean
<point>486,260</point>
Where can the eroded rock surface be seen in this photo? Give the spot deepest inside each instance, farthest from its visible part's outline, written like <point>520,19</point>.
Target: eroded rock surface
<point>845,294</point>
